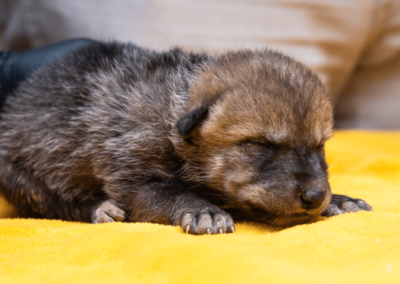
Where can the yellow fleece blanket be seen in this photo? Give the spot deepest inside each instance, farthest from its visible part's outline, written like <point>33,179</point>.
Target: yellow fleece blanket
<point>351,248</point>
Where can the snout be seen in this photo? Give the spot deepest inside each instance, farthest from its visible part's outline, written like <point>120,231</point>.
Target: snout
<point>312,198</point>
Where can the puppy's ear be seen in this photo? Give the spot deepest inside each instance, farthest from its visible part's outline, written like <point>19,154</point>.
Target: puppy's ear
<point>193,119</point>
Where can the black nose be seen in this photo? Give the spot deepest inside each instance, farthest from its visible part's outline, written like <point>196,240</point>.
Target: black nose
<point>312,198</point>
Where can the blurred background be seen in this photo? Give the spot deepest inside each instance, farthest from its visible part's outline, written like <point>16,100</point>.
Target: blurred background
<point>353,45</point>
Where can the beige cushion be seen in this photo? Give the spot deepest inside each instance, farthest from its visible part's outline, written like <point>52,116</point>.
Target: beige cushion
<point>342,40</point>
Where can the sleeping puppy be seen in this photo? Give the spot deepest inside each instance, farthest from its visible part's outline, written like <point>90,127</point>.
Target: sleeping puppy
<point>115,132</point>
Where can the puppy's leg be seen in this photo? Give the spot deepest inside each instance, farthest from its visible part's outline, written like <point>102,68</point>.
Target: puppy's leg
<point>343,204</point>
<point>158,203</point>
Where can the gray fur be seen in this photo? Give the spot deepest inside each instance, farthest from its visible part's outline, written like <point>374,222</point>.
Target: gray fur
<point>116,130</point>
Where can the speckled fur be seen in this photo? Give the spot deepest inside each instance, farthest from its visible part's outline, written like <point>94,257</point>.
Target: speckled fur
<point>167,137</point>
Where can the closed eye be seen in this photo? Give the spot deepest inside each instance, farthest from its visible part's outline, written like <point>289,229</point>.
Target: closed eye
<point>261,143</point>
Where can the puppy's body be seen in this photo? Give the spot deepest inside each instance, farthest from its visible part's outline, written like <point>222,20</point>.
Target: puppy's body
<point>116,132</point>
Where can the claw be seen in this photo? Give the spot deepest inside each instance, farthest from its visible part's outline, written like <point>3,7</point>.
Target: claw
<point>187,228</point>
<point>208,231</point>
<point>232,229</point>
<point>220,231</point>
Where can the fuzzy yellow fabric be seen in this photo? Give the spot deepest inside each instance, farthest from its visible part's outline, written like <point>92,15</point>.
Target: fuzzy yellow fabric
<point>352,248</point>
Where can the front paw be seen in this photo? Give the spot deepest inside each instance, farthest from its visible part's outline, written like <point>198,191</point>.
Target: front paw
<point>206,220</point>
<point>343,204</point>
<point>107,212</point>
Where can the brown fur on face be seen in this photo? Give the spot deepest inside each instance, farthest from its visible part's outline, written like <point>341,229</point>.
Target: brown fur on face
<point>268,118</point>
<point>116,132</point>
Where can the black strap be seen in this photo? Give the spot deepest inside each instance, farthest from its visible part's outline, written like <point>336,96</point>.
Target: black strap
<point>15,67</point>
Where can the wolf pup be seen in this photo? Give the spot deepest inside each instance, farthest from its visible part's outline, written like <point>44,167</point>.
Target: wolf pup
<point>115,132</point>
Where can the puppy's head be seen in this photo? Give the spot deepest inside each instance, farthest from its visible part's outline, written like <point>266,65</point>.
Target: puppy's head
<point>255,131</point>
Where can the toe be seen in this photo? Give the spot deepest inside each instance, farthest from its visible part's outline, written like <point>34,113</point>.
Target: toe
<point>103,217</point>
<point>219,224</point>
<point>187,223</point>
<point>350,207</point>
<point>230,225</point>
<point>108,212</point>
<point>205,224</point>
<point>117,214</point>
